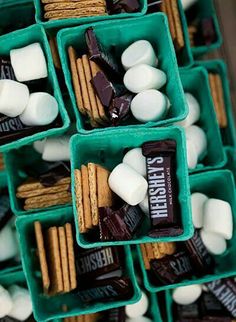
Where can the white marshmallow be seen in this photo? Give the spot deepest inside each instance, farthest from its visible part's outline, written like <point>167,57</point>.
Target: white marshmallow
<point>136,160</point>
<point>186,295</point>
<point>8,244</point>
<point>128,184</point>
<point>42,109</point>
<point>22,305</point>
<point>29,63</point>
<point>137,309</point>
<point>139,52</point>
<point>193,111</point>
<point>149,106</point>
<point>191,154</point>
<point>39,145</point>
<point>5,302</point>
<point>139,319</point>
<point>144,205</point>
<point>214,243</point>
<point>196,134</point>
<point>14,97</point>
<point>187,3</point>
<point>218,218</point>
<point>198,201</point>
<point>142,77</point>
<point>57,149</point>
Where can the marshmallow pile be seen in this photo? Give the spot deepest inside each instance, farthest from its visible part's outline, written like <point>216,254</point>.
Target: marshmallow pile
<point>54,149</point>
<point>214,218</point>
<point>15,303</point>
<point>127,179</point>
<point>186,295</point>
<point>195,136</point>
<point>33,109</point>
<point>143,78</point>
<point>136,312</point>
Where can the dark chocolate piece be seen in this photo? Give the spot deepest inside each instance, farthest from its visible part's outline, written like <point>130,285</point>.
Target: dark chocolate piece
<point>172,268</point>
<point>208,31</point>
<point>5,210</point>
<point>116,315</point>
<point>225,291</point>
<point>119,109</point>
<point>103,88</point>
<point>202,261</point>
<point>54,174</point>
<point>6,70</point>
<point>124,222</point>
<point>162,186</point>
<point>104,232</point>
<point>119,6</point>
<point>96,262</point>
<point>165,232</point>
<point>154,6</point>
<point>101,57</point>
<point>110,289</point>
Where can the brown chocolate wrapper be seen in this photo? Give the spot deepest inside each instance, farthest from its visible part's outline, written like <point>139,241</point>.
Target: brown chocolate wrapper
<point>121,6</point>
<point>115,315</point>
<point>6,70</point>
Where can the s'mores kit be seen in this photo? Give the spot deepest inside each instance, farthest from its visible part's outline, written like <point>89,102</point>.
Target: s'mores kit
<point>117,163</point>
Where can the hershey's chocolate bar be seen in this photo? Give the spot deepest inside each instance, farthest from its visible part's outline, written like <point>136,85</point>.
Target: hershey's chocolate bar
<point>110,289</point>
<point>172,268</point>
<point>201,259</point>
<point>165,232</point>
<point>102,57</point>
<point>225,291</point>
<point>116,315</point>
<point>124,222</point>
<point>11,124</point>
<point>6,70</point>
<point>97,261</point>
<point>162,186</point>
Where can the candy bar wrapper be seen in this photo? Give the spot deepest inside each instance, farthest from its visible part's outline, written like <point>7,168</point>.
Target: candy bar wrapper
<point>6,70</point>
<point>116,315</point>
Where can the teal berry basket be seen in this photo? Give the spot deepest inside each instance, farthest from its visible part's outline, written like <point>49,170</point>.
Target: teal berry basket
<point>206,9</point>
<point>11,278</point>
<point>27,158</point>
<point>107,149</point>
<point>62,23</point>
<point>195,81</point>
<point>48,308</point>
<point>23,38</point>
<point>215,184</point>
<point>231,160</point>
<point>16,14</point>
<point>120,34</point>
<point>218,66</point>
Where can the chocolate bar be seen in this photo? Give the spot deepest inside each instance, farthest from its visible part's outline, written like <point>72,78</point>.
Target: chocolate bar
<point>225,291</point>
<point>119,6</point>
<point>162,186</point>
<point>6,70</point>
<point>119,109</point>
<point>124,222</point>
<point>116,315</point>
<point>187,311</point>
<point>109,289</point>
<point>101,57</point>
<point>202,261</point>
<point>54,174</point>
<point>172,268</point>
<point>103,88</point>
<point>97,261</point>
<point>210,306</point>
<point>165,232</point>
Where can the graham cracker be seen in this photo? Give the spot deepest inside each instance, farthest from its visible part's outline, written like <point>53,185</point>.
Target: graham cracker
<point>84,89</point>
<point>149,251</point>
<point>220,95</point>
<point>48,203</point>
<point>42,256</point>
<point>212,81</point>
<point>168,10</point>
<point>104,193</point>
<point>80,318</point>
<point>86,198</point>
<point>157,251</point>
<point>75,79</point>
<point>33,184</point>
<point>73,5</point>
<point>56,1</point>
<point>92,176</point>
<point>179,43</point>
<point>166,248</point>
<point>79,200</point>
<point>54,261</point>
<point>48,197</point>
<point>64,259</point>
<point>71,256</point>
<point>43,191</point>
<point>75,13</point>
<point>54,51</point>
<point>145,257</point>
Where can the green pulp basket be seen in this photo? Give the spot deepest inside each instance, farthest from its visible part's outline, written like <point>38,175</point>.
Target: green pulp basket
<point>231,160</point>
<point>108,148</point>
<point>11,278</point>
<point>121,33</point>
<point>215,184</point>
<point>62,23</point>
<point>26,157</point>
<point>47,308</point>
<point>218,66</point>
<point>169,302</point>
<point>195,81</point>
<point>16,14</point>
<point>205,9</point>
<point>23,38</point>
